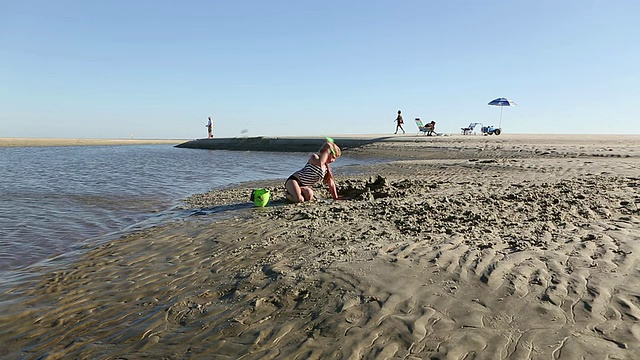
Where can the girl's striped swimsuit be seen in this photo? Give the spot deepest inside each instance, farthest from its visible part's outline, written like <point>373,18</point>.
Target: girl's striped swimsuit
<point>310,174</point>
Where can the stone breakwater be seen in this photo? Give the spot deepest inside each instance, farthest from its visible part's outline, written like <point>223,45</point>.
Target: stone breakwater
<point>278,144</point>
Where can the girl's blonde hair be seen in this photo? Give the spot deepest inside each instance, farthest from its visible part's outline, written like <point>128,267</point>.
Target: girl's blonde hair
<point>332,147</point>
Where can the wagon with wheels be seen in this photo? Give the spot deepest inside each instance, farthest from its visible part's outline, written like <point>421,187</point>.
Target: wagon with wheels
<point>490,130</point>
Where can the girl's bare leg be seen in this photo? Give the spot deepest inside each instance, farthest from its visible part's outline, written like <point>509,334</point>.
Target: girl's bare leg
<point>307,193</point>
<point>294,193</point>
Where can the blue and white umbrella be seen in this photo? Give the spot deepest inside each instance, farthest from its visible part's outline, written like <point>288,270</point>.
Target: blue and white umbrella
<point>502,102</point>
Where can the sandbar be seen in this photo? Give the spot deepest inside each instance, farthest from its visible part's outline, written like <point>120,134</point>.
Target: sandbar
<point>32,142</point>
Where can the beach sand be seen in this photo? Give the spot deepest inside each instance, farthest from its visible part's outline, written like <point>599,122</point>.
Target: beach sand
<point>473,247</point>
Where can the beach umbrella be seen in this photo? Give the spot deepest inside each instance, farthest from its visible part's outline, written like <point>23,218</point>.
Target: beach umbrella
<point>502,102</point>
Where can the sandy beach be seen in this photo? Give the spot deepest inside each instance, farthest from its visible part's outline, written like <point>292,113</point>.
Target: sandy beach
<point>465,247</point>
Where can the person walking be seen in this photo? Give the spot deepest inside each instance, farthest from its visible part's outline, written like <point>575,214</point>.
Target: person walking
<point>399,122</point>
<point>210,127</point>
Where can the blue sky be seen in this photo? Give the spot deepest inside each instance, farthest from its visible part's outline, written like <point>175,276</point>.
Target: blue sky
<point>157,69</point>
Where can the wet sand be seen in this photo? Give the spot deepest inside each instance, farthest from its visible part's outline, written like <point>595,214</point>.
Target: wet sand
<point>471,247</point>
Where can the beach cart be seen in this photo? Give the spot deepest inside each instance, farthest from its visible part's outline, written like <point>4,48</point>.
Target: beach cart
<point>490,130</point>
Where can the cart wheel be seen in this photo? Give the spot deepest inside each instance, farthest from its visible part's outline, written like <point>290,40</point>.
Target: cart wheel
<point>497,131</point>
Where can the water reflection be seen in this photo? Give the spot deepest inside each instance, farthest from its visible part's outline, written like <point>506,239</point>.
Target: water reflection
<point>52,198</point>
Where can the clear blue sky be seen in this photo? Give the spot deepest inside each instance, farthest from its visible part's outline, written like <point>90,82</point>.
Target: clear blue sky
<point>157,69</point>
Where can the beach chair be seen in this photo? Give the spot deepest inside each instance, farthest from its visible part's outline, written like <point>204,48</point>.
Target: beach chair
<point>421,127</point>
<point>469,129</point>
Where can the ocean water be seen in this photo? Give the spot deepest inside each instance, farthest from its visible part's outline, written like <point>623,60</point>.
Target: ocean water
<point>54,198</point>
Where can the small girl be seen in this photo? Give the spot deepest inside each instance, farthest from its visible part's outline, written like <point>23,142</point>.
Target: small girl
<point>298,185</point>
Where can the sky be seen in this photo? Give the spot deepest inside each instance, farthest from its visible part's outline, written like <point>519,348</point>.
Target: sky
<point>157,69</point>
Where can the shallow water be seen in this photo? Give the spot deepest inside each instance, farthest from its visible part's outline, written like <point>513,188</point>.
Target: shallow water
<point>53,199</point>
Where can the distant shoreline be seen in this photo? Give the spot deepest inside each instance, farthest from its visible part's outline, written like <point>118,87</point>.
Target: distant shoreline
<point>306,143</point>
<point>33,142</point>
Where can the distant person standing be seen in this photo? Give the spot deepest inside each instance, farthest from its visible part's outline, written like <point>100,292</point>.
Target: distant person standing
<point>399,121</point>
<point>210,127</point>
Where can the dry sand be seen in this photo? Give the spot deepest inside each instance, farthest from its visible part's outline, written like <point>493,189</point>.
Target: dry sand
<point>483,248</point>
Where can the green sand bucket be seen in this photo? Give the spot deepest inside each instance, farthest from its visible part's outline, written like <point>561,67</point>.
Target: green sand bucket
<point>260,197</point>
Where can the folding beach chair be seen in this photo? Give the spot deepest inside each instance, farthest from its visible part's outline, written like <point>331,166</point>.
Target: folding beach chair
<point>421,127</point>
<point>469,129</point>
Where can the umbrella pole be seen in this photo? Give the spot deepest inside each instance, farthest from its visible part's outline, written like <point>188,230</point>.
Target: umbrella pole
<point>500,124</point>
